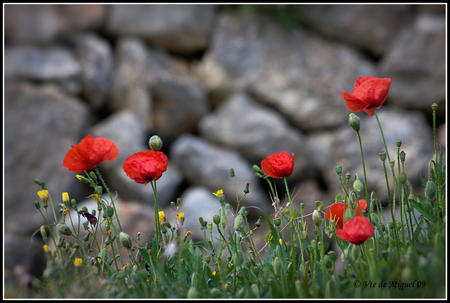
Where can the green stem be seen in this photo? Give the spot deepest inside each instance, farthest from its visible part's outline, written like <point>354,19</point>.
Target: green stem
<point>364,169</point>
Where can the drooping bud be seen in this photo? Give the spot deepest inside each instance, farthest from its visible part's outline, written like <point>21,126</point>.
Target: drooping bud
<point>125,240</point>
<point>354,121</point>
<point>37,204</point>
<point>63,229</point>
<point>82,179</point>
<point>155,143</point>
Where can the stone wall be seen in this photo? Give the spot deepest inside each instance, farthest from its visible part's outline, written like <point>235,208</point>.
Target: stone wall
<point>223,88</point>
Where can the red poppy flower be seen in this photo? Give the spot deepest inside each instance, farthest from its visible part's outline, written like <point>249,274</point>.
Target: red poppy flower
<point>368,93</point>
<point>145,166</point>
<point>336,212</point>
<point>90,153</point>
<point>356,230</point>
<point>278,165</point>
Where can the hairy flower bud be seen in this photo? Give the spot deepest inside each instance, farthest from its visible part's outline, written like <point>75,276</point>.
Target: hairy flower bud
<point>316,218</point>
<point>354,122</point>
<point>63,229</point>
<point>125,240</point>
<point>430,190</point>
<point>338,169</point>
<point>216,219</point>
<point>402,178</point>
<point>277,221</point>
<point>358,185</point>
<point>155,143</point>
<point>277,265</point>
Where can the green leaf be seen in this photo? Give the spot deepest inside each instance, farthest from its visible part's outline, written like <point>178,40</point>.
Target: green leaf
<point>424,207</point>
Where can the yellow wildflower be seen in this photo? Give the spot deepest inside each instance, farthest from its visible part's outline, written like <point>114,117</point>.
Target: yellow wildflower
<point>180,217</point>
<point>65,197</point>
<point>218,193</point>
<point>214,273</point>
<point>43,194</point>
<point>65,211</point>
<point>78,262</point>
<point>95,197</point>
<point>189,233</point>
<point>46,248</point>
<point>162,216</point>
<point>281,241</point>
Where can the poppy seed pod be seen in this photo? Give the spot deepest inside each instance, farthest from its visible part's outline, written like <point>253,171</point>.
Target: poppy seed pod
<point>338,169</point>
<point>155,143</point>
<point>383,156</point>
<point>354,122</point>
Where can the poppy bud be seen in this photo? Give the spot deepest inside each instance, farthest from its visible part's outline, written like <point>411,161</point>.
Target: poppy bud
<point>333,255</point>
<point>125,240</point>
<point>402,178</point>
<point>223,221</point>
<point>357,185</point>
<point>338,169</point>
<point>255,290</point>
<point>277,266</point>
<point>316,218</point>
<point>109,211</point>
<point>216,219</point>
<point>430,190</point>
<point>238,221</point>
<point>354,122</point>
<point>63,229</point>
<point>155,143</point>
<point>277,221</point>
<point>313,245</point>
<point>99,190</point>
<point>232,173</point>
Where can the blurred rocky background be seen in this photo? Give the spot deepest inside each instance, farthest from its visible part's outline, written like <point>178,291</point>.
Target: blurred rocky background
<point>224,86</point>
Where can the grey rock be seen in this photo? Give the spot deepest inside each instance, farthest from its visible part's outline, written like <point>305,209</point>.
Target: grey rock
<point>255,131</point>
<point>129,88</point>
<point>95,56</point>
<point>209,165</point>
<point>41,64</point>
<point>372,28</point>
<point>61,121</point>
<point>179,104</point>
<point>178,28</point>
<point>416,64</point>
<point>44,24</point>
<point>299,74</point>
